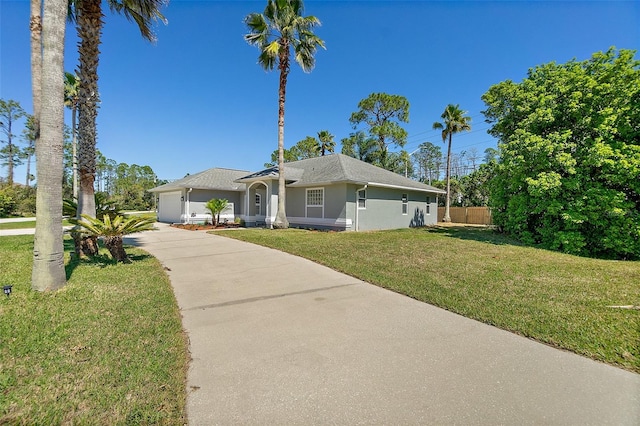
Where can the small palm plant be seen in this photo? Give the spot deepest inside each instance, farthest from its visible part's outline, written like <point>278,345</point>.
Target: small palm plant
<point>216,206</point>
<point>112,230</point>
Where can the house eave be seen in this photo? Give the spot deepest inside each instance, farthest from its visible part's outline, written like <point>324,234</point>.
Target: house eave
<point>361,183</point>
<point>408,188</point>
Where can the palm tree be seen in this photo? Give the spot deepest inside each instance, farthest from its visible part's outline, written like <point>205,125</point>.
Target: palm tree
<point>216,206</point>
<point>87,14</point>
<point>112,230</point>
<point>275,32</point>
<point>326,142</point>
<point>454,120</point>
<point>48,271</point>
<point>71,84</point>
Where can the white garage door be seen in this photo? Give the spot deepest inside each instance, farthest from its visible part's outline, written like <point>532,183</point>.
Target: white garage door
<point>169,207</point>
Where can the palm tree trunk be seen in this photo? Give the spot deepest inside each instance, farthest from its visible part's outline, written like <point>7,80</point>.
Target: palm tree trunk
<point>35,26</point>
<point>281,221</point>
<point>447,215</point>
<point>89,32</point>
<point>89,27</point>
<point>116,248</point>
<point>48,271</point>
<point>74,144</point>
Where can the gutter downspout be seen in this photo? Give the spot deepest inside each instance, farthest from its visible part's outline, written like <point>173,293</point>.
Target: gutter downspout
<point>357,204</point>
<point>186,209</point>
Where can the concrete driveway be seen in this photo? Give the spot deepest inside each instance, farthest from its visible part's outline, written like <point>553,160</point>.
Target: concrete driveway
<point>276,339</point>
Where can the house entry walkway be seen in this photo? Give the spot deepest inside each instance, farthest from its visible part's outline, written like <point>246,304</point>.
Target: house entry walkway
<point>276,339</point>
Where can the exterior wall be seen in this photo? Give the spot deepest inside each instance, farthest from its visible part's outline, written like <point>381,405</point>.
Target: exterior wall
<point>194,209</point>
<point>331,216</point>
<point>198,199</point>
<point>384,209</point>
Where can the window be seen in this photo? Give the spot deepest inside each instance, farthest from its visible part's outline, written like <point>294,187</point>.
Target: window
<point>405,204</point>
<point>258,204</point>
<point>428,209</point>
<point>362,199</point>
<point>315,202</point>
<point>315,197</point>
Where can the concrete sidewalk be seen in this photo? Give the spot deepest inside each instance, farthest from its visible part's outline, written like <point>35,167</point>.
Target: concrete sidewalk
<point>277,339</point>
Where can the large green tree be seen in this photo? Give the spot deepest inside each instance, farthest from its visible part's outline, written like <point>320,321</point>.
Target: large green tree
<point>429,159</point>
<point>454,121</point>
<point>48,251</point>
<point>568,174</point>
<point>88,16</point>
<point>10,111</point>
<point>276,32</point>
<point>383,113</point>
<point>305,148</point>
<point>359,145</point>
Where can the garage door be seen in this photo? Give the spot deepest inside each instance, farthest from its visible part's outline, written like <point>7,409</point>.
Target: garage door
<point>169,207</point>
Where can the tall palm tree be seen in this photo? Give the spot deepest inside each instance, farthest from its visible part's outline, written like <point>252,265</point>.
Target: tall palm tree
<point>326,142</point>
<point>48,271</point>
<point>87,14</point>
<point>71,99</point>
<point>454,121</point>
<point>277,31</point>
<point>35,30</point>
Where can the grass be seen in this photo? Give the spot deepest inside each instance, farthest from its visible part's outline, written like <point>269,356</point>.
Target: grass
<point>108,348</point>
<point>562,300</point>
<point>25,225</point>
<point>32,223</point>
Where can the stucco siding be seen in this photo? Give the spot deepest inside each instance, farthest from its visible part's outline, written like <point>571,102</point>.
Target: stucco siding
<point>384,209</point>
<point>296,202</point>
<point>335,197</point>
<point>198,199</point>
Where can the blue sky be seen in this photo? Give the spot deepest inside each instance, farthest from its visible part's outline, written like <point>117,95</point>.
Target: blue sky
<point>197,98</point>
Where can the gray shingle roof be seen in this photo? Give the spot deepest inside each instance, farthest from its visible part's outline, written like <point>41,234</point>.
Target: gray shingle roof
<point>215,178</point>
<point>338,168</point>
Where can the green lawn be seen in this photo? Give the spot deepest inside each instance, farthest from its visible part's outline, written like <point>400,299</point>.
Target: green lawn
<point>555,298</point>
<point>108,348</point>
<point>25,225</point>
<point>32,223</point>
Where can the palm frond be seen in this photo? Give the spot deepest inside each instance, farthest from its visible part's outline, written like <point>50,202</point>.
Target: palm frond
<point>118,226</point>
<point>143,12</point>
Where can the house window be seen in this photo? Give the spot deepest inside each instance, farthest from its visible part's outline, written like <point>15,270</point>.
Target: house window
<point>405,204</point>
<point>428,209</point>
<point>258,204</point>
<point>315,202</point>
<point>362,199</point>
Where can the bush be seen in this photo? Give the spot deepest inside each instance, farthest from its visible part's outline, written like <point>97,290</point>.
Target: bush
<point>567,174</point>
<point>7,203</point>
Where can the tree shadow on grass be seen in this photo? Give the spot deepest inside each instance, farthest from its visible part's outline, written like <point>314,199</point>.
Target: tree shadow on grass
<point>475,233</point>
<point>101,260</point>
